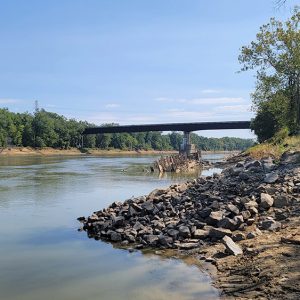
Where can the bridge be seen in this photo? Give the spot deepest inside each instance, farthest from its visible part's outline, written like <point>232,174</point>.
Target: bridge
<point>187,128</point>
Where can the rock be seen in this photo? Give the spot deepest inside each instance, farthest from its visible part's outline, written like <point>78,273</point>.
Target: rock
<point>246,214</point>
<point>266,201</point>
<point>231,246</point>
<point>233,208</point>
<point>281,201</point>
<point>115,236</point>
<point>270,224</point>
<point>165,240</point>
<point>239,236</point>
<point>201,234</point>
<point>187,246</point>
<point>250,204</point>
<point>251,235</point>
<point>227,223</point>
<point>151,239</point>
<point>136,207</point>
<point>148,206</point>
<point>138,226</point>
<point>184,232</point>
<point>118,221</point>
<point>219,233</point>
<point>271,177</point>
<point>204,213</point>
<point>173,233</point>
<point>214,217</point>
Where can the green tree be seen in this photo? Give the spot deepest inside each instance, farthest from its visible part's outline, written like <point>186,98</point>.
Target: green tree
<point>276,56</point>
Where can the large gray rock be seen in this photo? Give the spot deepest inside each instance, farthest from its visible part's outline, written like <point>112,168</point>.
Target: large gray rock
<point>270,224</point>
<point>173,233</point>
<point>281,201</point>
<point>151,239</point>
<point>271,177</point>
<point>184,232</point>
<point>115,236</point>
<point>148,206</point>
<point>227,223</point>
<point>266,201</point>
<point>165,240</point>
<point>118,221</point>
<point>231,246</point>
<point>204,213</point>
<point>219,233</point>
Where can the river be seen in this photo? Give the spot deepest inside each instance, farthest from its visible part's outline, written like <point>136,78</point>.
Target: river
<point>43,256</point>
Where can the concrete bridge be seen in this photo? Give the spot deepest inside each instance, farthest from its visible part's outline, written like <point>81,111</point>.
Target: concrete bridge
<point>187,128</point>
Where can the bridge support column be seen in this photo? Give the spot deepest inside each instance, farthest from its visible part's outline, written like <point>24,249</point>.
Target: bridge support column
<point>186,145</point>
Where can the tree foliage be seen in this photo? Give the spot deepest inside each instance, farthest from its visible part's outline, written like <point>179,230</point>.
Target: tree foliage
<point>47,129</point>
<point>276,56</point>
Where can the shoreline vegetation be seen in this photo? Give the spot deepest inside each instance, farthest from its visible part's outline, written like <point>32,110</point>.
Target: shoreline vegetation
<point>44,129</point>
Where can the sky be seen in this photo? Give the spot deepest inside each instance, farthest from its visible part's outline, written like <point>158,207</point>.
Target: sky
<point>133,61</point>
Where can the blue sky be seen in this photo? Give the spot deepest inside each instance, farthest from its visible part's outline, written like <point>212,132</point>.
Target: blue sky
<point>133,61</point>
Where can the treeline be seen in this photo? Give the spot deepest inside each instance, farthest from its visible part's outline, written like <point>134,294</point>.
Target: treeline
<point>47,129</point>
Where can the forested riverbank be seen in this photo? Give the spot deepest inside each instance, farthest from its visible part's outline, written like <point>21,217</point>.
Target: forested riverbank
<point>47,129</point>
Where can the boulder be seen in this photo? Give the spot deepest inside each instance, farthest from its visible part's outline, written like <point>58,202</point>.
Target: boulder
<point>219,233</point>
<point>165,240</point>
<point>227,223</point>
<point>233,209</point>
<point>231,246</point>
<point>266,201</point>
<point>214,217</point>
<point>184,232</point>
<point>271,177</point>
<point>281,201</point>
<point>239,236</point>
<point>173,233</point>
<point>151,239</point>
<point>270,224</point>
<point>115,236</point>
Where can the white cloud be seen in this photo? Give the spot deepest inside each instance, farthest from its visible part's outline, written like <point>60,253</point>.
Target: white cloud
<point>9,101</point>
<point>201,101</point>
<point>186,115</point>
<point>210,91</point>
<point>112,105</point>
<point>234,108</point>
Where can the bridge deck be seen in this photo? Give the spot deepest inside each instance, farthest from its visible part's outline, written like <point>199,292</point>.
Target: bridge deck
<point>186,127</point>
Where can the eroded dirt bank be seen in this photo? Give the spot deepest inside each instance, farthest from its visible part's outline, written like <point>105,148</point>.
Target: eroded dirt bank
<point>244,222</point>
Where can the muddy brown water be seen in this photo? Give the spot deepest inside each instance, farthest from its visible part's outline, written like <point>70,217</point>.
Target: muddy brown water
<point>43,256</point>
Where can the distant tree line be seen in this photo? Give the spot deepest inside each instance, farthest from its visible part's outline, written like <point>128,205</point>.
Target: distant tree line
<point>47,129</point>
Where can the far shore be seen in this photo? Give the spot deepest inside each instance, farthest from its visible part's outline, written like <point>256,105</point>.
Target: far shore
<point>29,151</point>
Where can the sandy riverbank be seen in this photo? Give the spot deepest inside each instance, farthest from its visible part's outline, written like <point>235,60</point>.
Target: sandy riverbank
<point>27,151</point>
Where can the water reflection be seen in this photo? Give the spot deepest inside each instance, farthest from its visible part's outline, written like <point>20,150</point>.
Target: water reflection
<point>42,256</point>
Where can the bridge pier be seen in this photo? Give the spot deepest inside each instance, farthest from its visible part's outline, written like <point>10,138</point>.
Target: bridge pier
<point>186,147</point>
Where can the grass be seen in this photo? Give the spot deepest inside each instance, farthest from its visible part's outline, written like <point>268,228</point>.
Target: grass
<point>274,148</point>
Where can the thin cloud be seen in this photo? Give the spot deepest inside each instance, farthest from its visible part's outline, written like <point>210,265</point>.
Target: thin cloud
<point>234,108</point>
<point>201,101</point>
<point>112,105</point>
<point>9,101</point>
<point>210,91</point>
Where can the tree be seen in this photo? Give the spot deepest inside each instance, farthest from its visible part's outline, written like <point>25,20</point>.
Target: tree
<point>276,56</point>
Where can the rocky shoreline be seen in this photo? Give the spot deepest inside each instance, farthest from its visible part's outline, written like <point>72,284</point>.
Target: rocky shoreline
<point>222,219</point>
